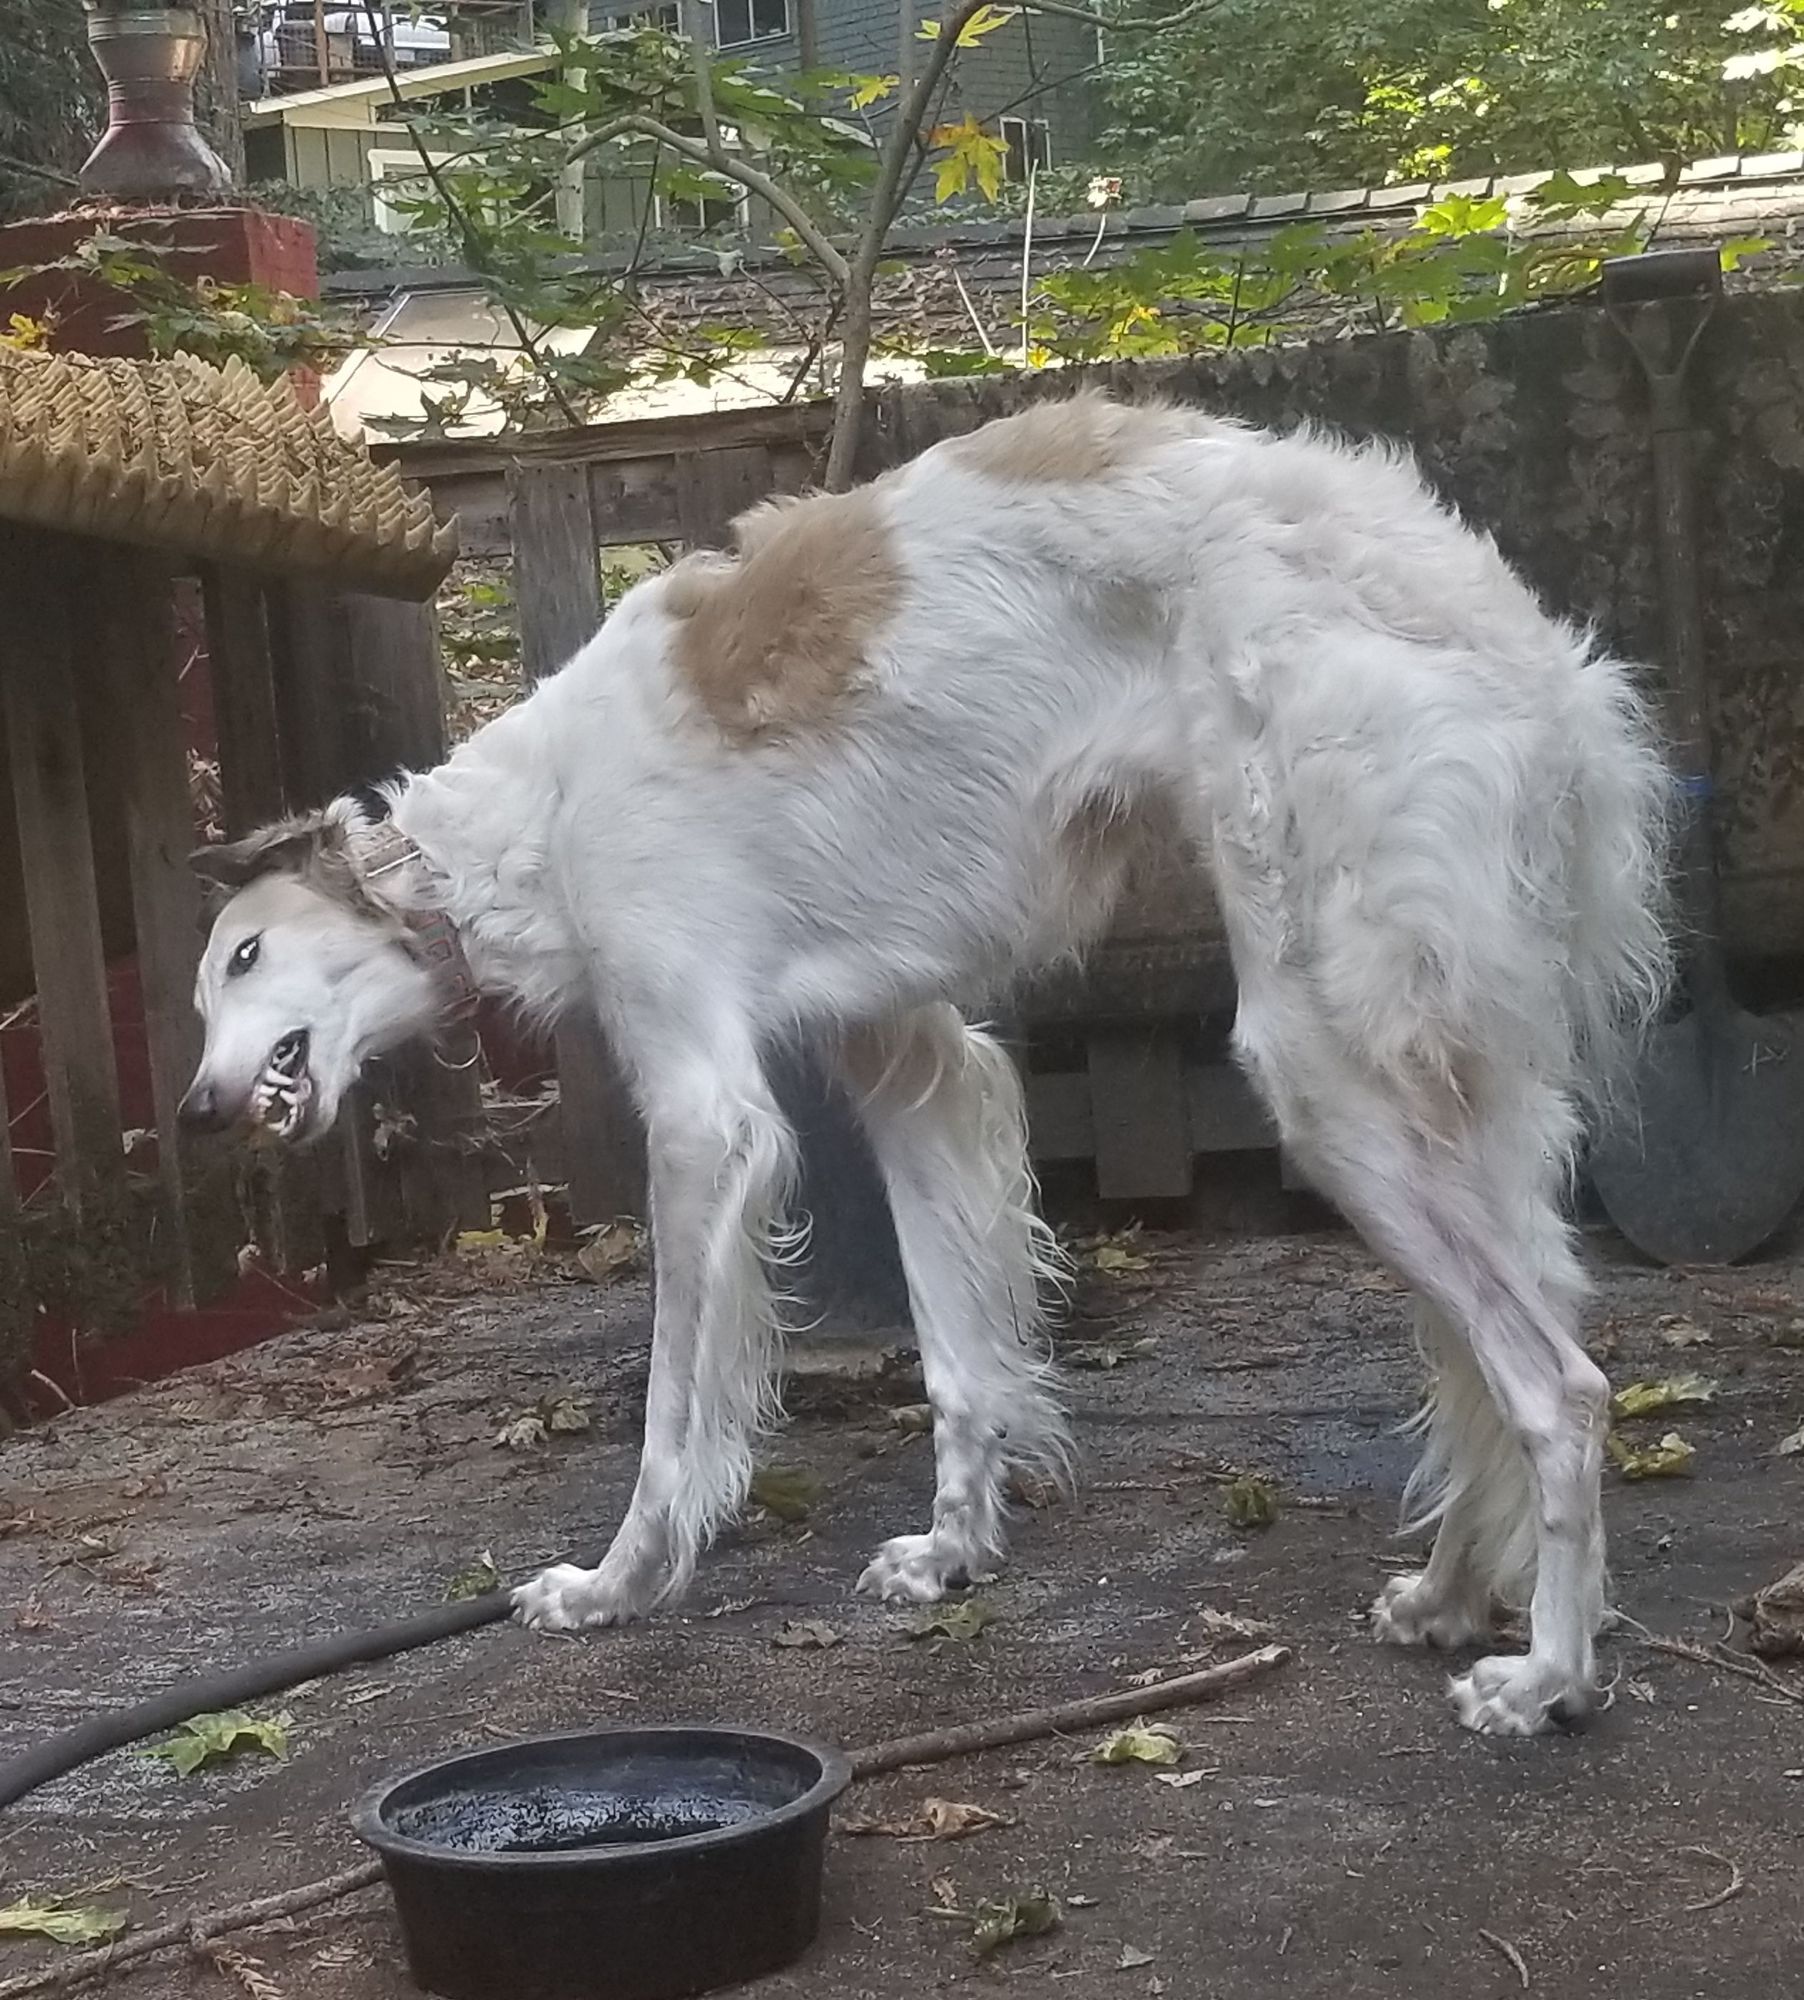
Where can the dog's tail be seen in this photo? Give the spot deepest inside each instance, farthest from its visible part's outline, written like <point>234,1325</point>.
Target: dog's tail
<point>1619,941</point>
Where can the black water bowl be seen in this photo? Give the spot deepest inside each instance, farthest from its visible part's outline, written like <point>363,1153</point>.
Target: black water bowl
<point>618,1864</point>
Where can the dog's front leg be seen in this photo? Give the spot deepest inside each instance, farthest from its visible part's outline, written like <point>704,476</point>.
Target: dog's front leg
<point>722,1165</point>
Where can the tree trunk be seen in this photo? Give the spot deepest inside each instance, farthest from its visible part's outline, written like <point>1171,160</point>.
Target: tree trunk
<point>216,88</point>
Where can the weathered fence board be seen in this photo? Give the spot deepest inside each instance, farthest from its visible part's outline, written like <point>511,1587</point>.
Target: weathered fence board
<point>139,680</point>
<point>242,680</point>
<point>557,585</point>
<point>44,732</point>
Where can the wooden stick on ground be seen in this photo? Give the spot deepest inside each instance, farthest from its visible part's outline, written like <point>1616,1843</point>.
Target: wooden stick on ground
<point>194,1930</point>
<point>936,1746</point>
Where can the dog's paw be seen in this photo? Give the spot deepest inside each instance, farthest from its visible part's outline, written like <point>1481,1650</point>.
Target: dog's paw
<point>920,1569</point>
<point>1518,1695</point>
<point>566,1598</point>
<point>1405,1613</point>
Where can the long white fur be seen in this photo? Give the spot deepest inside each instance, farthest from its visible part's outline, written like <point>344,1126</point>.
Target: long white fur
<point>1437,823</point>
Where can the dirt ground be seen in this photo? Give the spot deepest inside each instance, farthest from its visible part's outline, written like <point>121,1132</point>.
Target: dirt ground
<point>1346,1838</point>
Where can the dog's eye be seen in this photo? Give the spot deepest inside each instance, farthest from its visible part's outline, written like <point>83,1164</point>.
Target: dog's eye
<point>244,957</point>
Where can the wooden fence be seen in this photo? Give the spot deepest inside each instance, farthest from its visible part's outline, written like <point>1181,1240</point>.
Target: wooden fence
<point>309,690</point>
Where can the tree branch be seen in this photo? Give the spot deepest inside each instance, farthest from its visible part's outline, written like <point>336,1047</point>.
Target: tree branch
<point>886,198</point>
<point>1120,24</point>
<point>442,188</point>
<point>730,167</point>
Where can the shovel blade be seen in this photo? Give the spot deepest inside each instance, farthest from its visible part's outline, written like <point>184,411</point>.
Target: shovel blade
<point>1706,1161</point>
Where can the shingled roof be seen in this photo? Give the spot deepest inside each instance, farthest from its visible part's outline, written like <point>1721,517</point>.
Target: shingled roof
<point>176,454</point>
<point>940,274</point>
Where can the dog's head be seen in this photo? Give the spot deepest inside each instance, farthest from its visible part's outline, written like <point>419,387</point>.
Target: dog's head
<point>303,979</point>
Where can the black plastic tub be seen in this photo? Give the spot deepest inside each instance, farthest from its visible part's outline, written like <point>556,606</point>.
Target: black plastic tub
<point>614,1864</point>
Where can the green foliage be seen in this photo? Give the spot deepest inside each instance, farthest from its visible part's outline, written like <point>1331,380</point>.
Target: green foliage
<point>1313,93</point>
<point>57,1918</point>
<point>213,1739</point>
<point>344,228</point>
<point>1461,261</point>
<point>50,100</point>
<point>270,331</point>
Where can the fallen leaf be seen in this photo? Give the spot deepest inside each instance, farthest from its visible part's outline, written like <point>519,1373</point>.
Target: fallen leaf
<point>960,1622</point>
<point>1669,1459</point>
<point>934,1819</point>
<point>470,1240</point>
<point>613,1250</point>
<point>1013,1918</point>
<point>1791,1446</point>
<point>211,1739</point>
<point>1677,1331</point>
<point>913,1419</point>
<point>523,1433</point>
<point>1181,1781</point>
<point>66,1923</point>
<point>788,1492</point>
<point>1139,1743</point>
<point>479,1580</point>
<point>249,1974</point>
<point>1132,1958</point>
<point>1222,1625</point>
<point>806,1634</point>
<point>1102,1357</point>
<point>1644,1399</point>
<point>1077,1902</point>
<point>562,1415</point>
<point>1111,1258</point>
<point>1028,1491</point>
<point>1249,1502</point>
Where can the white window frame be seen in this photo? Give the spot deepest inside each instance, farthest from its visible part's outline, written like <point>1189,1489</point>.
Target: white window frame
<point>398,163</point>
<point>1026,128</point>
<point>753,40</point>
<point>629,20</point>
<point>733,196</point>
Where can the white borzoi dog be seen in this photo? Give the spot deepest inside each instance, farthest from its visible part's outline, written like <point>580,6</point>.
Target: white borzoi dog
<point>899,748</point>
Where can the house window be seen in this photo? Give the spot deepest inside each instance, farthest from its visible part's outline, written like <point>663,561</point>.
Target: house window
<point>628,20</point>
<point>739,21</point>
<point>693,215</point>
<point>1029,143</point>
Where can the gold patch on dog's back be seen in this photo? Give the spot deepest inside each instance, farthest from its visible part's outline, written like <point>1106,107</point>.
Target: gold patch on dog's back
<point>771,639</point>
<point>1084,437</point>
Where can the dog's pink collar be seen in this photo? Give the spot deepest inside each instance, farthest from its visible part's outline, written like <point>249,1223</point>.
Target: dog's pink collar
<point>380,849</point>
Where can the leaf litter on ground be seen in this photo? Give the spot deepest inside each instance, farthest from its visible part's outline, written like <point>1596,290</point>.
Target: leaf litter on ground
<point>961,1622</point>
<point>1140,1743</point>
<point>1670,1392</point>
<point>1103,1357</point>
<point>614,1250</point>
<point>550,1416</point>
<point>787,1492</point>
<point>806,1635</point>
<point>1790,1447</point>
<point>212,1739</point>
<point>481,1579</point>
<point>61,1921</point>
<point>1669,1459</point>
<point>934,1819</point>
<point>1008,1919</point>
<point>1249,1502</point>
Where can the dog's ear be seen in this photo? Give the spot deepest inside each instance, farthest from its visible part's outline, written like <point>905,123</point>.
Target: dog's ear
<point>288,845</point>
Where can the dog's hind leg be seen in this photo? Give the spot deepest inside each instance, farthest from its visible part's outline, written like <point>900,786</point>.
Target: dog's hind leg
<point>722,1169</point>
<point>942,1105</point>
<point>1528,1476</point>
